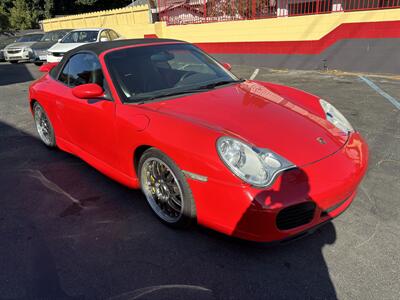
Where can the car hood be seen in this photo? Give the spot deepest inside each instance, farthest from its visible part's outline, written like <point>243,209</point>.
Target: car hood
<point>264,117</point>
<point>20,45</point>
<point>42,45</point>
<point>64,47</point>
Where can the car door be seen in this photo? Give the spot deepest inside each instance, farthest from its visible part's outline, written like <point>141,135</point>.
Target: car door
<point>87,123</point>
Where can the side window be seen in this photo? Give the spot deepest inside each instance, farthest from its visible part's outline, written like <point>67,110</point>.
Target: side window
<point>104,36</point>
<point>64,74</point>
<point>82,68</point>
<point>113,35</point>
<point>58,36</point>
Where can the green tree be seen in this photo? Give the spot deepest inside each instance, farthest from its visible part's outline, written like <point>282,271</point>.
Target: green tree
<point>37,12</point>
<point>20,15</point>
<point>25,14</point>
<point>4,24</point>
<point>48,9</point>
<point>6,4</point>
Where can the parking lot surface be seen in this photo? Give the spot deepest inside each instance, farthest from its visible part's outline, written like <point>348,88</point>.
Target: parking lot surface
<point>68,232</point>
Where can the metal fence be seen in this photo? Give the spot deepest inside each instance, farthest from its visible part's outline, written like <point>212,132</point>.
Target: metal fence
<point>203,11</point>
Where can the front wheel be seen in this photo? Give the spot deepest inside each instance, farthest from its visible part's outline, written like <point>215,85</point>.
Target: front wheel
<point>43,125</point>
<point>13,61</point>
<point>166,189</point>
<point>38,63</point>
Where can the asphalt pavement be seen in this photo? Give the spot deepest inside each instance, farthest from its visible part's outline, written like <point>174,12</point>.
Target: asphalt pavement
<point>69,232</point>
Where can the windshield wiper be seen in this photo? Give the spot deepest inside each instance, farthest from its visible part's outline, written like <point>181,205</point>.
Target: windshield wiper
<point>206,87</point>
<point>145,99</point>
<point>213,85</point>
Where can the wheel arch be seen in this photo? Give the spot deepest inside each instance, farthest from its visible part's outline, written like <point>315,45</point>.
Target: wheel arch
<point>137,154</point>
<point>32,102</point>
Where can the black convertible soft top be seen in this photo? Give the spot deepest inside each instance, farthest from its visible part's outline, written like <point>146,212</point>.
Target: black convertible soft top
<point>100,47</point>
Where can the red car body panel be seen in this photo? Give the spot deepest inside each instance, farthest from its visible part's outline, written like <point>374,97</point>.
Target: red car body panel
<point>254,113</point>
<point>250,213</point>
<point>287,121</point>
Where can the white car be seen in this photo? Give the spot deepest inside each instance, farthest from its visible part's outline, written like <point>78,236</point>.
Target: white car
<point>80,37</point>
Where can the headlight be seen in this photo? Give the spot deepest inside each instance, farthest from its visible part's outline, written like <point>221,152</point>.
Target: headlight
<point>27,50</point>
<point>335,117</point>
<point>258,167</point>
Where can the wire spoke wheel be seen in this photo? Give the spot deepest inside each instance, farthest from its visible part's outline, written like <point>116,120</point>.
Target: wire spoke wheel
<point>162,189</point>
<point>43,126</point>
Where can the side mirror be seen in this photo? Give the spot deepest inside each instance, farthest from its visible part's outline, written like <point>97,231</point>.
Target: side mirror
<point>88,91</point>
<point>226,66</point>
<point>59,40</point>
<point>48,67</point>
<point>104,39</point>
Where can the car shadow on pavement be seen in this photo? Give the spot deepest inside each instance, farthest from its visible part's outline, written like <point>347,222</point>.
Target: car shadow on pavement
<point>68,232</point>
<point>312,275</point>
<point>14,73</point>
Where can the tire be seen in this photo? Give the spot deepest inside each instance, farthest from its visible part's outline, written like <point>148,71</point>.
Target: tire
<point>164,192</point>
<point>43,126</point>
<point>13,61</point>
<point>38,64</point>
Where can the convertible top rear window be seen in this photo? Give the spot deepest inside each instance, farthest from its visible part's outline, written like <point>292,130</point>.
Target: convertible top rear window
<point>145,73</point>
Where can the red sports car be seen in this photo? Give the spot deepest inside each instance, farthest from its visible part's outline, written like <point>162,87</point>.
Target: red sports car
<point>251,159</point>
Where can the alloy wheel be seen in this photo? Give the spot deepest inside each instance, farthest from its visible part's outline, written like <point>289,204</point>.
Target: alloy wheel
<point>162,189</point>
<point>43,125</point>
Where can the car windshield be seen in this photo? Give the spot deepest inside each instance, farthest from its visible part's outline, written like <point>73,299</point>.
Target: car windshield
<point>80,37</point>
<point>5,41</point>
<point>30,38</point>
<point>53,36</point>
<point>150,72</point>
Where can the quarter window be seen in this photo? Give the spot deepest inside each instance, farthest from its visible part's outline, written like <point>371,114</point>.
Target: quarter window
<point>113,35</point>
<point>104,36</point>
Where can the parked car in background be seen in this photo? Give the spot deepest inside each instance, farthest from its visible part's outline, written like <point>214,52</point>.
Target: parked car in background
<point>21,49</point>
<point>39,49</point>
<point>5,41</point>
<point>80,37</point>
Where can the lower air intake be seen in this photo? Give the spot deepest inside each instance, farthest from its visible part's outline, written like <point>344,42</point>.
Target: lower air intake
<point>295,216</point>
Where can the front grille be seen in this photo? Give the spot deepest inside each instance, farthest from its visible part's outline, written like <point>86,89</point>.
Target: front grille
<point>13,51</point>
<point>295,216</point>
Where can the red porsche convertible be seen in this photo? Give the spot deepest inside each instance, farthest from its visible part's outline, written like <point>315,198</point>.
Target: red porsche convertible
<point>251,159</point>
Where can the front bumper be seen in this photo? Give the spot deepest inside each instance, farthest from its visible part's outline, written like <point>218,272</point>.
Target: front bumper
<point>52,58</point>
<point>39,55</point>
<point>328,185</point>
<point>17,56</point>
